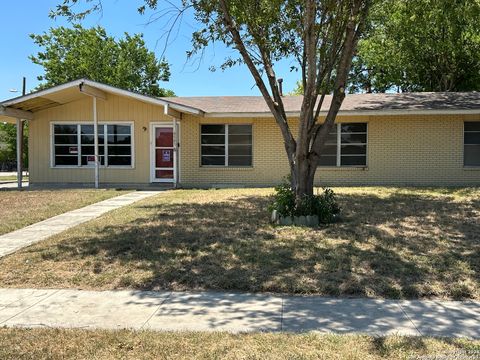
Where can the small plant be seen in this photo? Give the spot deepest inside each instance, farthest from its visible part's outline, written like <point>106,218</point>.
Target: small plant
<point>324,204</point>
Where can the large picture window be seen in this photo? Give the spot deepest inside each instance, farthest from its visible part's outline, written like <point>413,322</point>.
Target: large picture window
<point>346,145</point>
<point>73,145</point>
<point>226,145</point>
<point>471,141</point>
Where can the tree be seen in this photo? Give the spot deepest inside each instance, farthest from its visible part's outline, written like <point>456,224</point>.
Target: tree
<point>8,136</point>
<point>420,45</point>
<point>320,35</point>
<point>72,53</point>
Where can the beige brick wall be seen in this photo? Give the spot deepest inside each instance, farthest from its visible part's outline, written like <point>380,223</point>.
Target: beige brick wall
<point>402,150</point>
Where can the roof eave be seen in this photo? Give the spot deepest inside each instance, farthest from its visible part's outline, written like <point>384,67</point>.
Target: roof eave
<point>107,88</point>
<point>350,113</point>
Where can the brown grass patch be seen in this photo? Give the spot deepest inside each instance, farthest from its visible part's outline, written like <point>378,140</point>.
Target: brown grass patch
<point>392,243</point>
<point>100,344</point>
<point>22,208</point>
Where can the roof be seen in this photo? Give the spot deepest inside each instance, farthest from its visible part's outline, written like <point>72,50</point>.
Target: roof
<point>353,103</point>
<point>244,106</point>
<point>26,105</point>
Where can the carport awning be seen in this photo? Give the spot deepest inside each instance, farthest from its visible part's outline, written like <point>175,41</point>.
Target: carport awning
<point>25,106</point>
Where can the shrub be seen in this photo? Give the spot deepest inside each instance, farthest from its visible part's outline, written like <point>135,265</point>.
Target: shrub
<point>323,204</point>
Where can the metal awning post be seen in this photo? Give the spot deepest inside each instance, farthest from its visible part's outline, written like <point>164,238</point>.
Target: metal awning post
<point>95,141</point>
<point>19,152</point>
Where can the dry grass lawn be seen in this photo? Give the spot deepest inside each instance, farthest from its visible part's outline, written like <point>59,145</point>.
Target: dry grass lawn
<point>392,243</point>
<point>21,208</point>
<point>84,344</point>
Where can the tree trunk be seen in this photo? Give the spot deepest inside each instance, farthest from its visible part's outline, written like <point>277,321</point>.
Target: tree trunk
<point>304,179</point>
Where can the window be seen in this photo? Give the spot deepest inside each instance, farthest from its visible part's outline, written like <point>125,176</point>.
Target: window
<point>471,143</point>
<point>73,144</point>
<point>226,145</point>
<point>346,145</point>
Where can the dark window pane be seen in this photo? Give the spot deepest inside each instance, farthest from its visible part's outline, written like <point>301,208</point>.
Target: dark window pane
<point>65,129</point>
<point>66,150</point>
<point>213,129</point>
<point>90,150</point>
<point>213,150</point>
<point>213,139</point>
<point>118,129</point>
<point>120,139</point>
<point>66,139</point>
<point>87,139</point>
<point>91,159</point>
<point>213,160</point>
<point>353,160</point>
<point>354,138</point>
<point>66,160</point>
<point>88,129</point>
<point>239,161</point>
<point>354,127</point>
<point>472,126</point>
<point>329,150</point>
<point>354,149</point>
<point>119,150</point>
<point>472,155</point>
<point>239,139</point>
<point>119,160</point>
<point>239,129</point>
<point>240,150</point>
<point>472,138</point>
<point>327,160</point>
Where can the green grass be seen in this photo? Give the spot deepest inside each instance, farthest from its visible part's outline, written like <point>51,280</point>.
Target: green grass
<point>11,178</point>
<point>22,208</point>
<point>86,344</point>
<point>392,243</point>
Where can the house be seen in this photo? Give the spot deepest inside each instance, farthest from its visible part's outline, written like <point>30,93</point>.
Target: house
<point>379,139</point>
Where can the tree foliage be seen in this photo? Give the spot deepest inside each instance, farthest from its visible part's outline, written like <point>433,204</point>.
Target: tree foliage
<point>72,53</point>
<point>320,36</point>
<point>420,45</point>
<point>8,136</point>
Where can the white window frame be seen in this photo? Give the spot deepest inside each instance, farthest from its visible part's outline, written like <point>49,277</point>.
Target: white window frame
<point>80,166</point>
<point>463,146</point>
<point>339,147</point>
<point>226,156</point>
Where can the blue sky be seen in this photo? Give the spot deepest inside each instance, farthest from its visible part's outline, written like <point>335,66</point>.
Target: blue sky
<point>119,16</point>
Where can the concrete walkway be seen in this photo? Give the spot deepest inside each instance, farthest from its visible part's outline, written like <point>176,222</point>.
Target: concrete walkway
<point>12,184</point>
<point>235,312</point>
<point>29,235</point>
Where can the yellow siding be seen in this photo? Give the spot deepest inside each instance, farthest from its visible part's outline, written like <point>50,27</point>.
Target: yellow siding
<point>114,109</point>
<point>412,150</point>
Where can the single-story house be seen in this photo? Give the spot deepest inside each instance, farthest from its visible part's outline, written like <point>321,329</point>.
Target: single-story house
<point>380,139</point>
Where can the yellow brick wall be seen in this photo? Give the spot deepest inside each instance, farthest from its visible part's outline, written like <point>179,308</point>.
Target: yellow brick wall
<point>402,150</point>
<point>411,150</point>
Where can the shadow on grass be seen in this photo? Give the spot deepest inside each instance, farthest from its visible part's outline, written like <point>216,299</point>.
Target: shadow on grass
<point>401,246</point>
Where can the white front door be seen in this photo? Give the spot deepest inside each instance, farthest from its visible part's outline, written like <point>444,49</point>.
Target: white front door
<point>163,153</point>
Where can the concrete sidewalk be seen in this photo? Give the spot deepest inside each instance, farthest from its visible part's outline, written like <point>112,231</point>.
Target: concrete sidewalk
<point>29,235</point>
<point>235,312</point>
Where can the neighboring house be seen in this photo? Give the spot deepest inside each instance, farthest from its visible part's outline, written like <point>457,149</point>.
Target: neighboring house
<point>380,139</point>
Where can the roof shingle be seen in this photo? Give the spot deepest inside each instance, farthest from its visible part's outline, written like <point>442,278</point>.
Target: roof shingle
<point>354,102</point>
